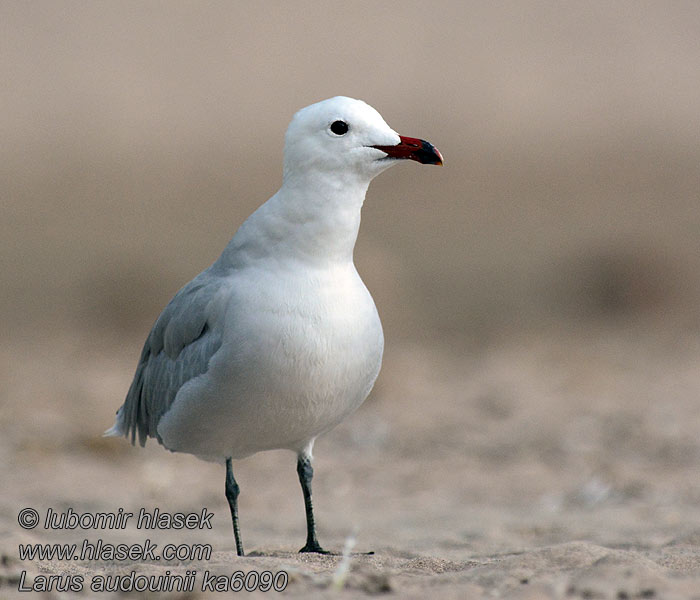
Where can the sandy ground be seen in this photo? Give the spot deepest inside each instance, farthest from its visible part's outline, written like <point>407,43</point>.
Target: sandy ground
<point>558,465</point>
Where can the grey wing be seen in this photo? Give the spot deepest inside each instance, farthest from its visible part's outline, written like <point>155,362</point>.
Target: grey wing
<point>183,340</point>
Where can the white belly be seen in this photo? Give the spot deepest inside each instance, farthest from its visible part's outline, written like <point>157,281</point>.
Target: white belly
<point>298,356</point>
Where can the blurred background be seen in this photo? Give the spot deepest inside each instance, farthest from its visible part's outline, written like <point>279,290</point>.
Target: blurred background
<point>540,293</point>
<point>137,137</point>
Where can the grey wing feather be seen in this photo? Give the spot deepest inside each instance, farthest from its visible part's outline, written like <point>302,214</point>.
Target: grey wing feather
<point>177,350</point>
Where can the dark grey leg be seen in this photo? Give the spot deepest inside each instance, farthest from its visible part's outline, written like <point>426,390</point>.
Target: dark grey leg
<point>232,491</point>
<point>306,474</point>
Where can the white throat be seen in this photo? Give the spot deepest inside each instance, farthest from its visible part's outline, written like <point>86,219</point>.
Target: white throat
<point>314,218</point>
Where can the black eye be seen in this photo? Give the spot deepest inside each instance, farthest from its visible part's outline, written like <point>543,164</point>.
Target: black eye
<point>339,127</point>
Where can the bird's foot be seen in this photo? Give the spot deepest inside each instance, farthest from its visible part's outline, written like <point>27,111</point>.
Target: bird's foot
<point>318,550</point>
<point>314,547</point>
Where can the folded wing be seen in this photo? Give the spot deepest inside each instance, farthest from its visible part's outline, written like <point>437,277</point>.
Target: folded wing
<point>182,342</point>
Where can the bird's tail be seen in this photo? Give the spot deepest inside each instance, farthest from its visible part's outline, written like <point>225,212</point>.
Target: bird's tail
<point>116,430</point>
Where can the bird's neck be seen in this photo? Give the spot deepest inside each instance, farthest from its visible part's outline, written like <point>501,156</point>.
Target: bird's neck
<point>314,220</point>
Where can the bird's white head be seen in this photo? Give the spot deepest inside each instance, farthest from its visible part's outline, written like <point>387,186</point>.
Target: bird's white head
<point>347,138</point>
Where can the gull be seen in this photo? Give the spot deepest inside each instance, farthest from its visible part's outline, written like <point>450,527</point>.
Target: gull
<point>279,339</point>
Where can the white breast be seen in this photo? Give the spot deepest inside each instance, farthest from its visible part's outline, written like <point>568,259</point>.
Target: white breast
<point>302,349</point>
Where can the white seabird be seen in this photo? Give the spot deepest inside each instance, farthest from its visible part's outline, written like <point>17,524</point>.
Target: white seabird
<point>279,340</point>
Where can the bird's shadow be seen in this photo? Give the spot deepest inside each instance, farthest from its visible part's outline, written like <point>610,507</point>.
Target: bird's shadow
<point>288,554</point>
